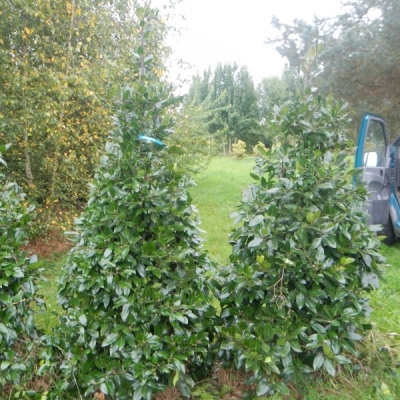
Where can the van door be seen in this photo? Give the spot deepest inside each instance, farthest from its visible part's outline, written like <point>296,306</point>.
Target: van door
<point>373,155</point>
<point>394,202</point>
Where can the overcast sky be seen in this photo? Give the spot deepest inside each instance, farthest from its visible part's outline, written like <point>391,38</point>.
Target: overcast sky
<point>226,31</point>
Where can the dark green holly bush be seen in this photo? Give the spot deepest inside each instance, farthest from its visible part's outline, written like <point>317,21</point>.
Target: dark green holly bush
<point>18,287</point>
<point>293,298</point>
<point>137,303</point>
<point>134,286</point>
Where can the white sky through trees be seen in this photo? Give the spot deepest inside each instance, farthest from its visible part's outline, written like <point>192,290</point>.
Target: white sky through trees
<point>226,31</point>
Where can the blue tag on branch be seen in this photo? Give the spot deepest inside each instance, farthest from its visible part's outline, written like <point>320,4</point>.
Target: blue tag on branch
<point>149,139</point>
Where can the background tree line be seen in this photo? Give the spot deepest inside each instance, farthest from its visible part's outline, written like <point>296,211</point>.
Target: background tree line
<point>233,108</point>
<point>355,56</point>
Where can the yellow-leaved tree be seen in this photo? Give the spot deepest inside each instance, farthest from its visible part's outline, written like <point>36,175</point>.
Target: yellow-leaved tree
<point>61,65</point>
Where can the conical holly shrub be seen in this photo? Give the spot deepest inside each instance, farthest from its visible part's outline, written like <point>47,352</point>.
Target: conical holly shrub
<point>303,259</point>
<point>134,287</point>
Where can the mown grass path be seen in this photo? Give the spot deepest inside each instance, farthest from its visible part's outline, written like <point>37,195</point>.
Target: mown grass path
<point>219,189</point>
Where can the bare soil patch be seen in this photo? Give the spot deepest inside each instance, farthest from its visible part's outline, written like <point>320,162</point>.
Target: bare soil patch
<point>52,243</point>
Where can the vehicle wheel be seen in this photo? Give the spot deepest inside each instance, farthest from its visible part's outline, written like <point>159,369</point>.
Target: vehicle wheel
<point>388,231</point>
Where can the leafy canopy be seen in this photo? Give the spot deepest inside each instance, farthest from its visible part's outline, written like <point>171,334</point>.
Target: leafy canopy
<point>61,67</point>
<point>355,56</point>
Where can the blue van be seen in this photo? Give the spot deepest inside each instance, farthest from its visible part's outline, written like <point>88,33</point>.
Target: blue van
<point>380,161</point>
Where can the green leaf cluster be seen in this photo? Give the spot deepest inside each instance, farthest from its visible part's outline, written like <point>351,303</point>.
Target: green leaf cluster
<point>18,287</point>
<point>192,145</point>
<point>293,298</point>
<point>239,149</point>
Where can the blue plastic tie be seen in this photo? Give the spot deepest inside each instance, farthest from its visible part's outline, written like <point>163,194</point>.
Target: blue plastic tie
<point>150,139</point>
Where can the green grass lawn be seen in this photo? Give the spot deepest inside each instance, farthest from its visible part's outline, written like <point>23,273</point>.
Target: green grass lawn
<point>47,319</point>
<point>218,191</point>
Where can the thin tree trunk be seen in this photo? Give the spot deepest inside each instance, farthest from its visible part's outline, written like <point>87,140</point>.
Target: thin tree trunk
<point>28,164</point>
<point>27,147</point>
<point>57,154</point>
